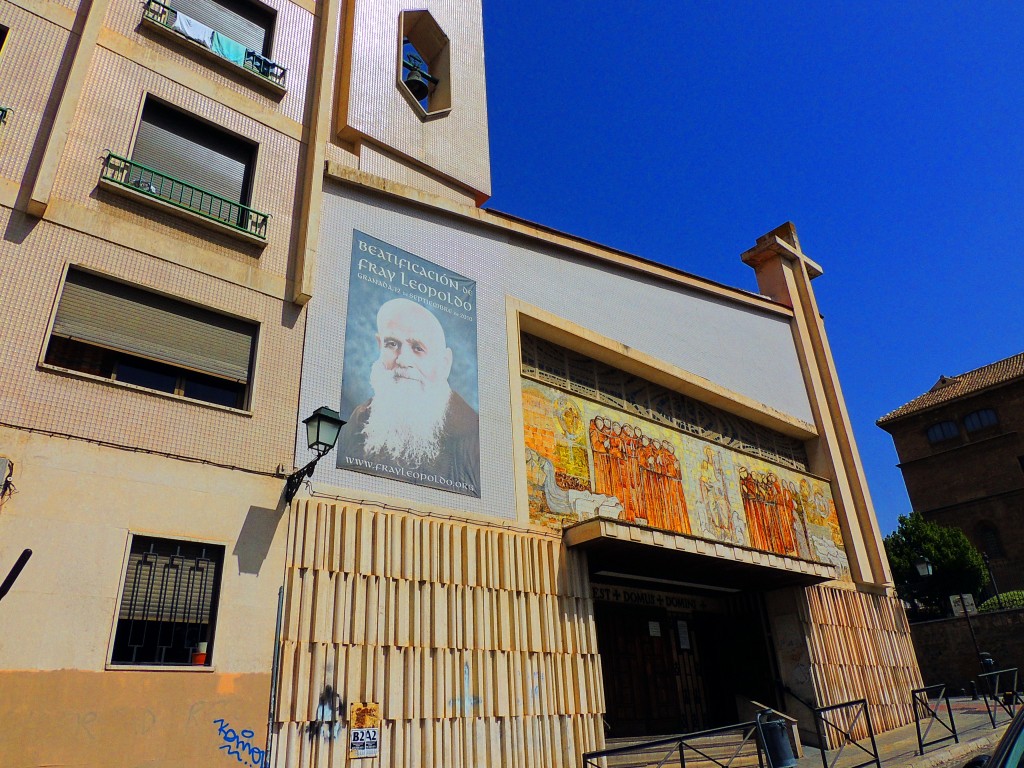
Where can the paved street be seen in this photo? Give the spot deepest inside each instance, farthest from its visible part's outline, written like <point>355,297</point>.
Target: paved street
<point>898,747</point>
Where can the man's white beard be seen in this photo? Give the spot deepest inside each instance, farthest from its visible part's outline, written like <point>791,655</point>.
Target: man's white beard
<point>406,416</point>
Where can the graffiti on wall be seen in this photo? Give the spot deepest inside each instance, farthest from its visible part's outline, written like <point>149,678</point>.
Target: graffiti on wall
<point>586,459</point>
<point>327,725</point>
<point>238,744</point>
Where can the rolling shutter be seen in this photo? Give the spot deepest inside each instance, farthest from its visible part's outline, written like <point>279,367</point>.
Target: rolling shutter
<point>174,144</point>
<point>119,317</point>
<point>242,22</point>
<point>170,581</point>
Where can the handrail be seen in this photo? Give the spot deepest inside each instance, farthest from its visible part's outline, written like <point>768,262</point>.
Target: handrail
<point>160,13</point>
<point>847,731</point>
<point>997,694</point>
<point>180,194</point>
<point>677,746</point>
<point>922,703</point>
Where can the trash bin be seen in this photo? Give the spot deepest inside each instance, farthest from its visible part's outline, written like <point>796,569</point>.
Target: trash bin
<point>775,740</point>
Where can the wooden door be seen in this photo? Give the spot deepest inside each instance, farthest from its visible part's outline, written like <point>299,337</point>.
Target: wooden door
<point>640,660</point>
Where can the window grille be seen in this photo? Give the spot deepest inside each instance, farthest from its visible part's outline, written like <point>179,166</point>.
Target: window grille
<point>168,603</point>
<point>572,372</point>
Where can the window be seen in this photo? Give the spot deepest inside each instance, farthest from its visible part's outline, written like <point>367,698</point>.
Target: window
<point>168,605</point>
<point>246,23</point>
<point>424,72</point>
<point>198,154</point>
<point>184,166</point>
<point>944,430</point>
<point>989,541</point>
<point>237,31</point>
<point>130,335</point>
<point>980,419</point>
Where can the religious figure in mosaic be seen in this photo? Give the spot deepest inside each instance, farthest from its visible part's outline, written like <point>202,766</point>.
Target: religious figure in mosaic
<point>720,521</point>
<point>643,473</point>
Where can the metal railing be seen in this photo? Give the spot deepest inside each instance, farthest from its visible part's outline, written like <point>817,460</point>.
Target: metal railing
<point>164,15</point>
<point>140,178</point>
<point>1001,693</point>
<point>922,698</point>
<point>166,606</point>
<point>732,745</point>
<point>845,720</point>
<point>4,112</point>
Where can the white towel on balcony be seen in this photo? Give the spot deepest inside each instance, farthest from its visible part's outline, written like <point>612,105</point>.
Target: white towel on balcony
<point>193,29</point>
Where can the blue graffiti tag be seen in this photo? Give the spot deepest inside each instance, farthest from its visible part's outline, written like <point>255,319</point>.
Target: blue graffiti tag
<point>237,744</point>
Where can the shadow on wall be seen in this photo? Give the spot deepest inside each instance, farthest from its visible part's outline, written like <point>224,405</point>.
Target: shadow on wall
<point>255,538</point>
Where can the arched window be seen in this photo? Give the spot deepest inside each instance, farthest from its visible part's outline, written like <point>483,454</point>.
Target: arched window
<point>985,417</point>
<point>989,541</point>
<point>944,430</point>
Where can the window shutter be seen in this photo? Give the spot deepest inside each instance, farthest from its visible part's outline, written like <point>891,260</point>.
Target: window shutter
<point>161,587</point>
<point>173,581</point>
<point>188,150</point>
<point>234,20</point>
<point>119,317</point>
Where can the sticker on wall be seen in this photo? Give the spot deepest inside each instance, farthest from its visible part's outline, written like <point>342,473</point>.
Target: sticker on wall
<point>683,629</point>
<point>410,383</point>
<point>364,730</point>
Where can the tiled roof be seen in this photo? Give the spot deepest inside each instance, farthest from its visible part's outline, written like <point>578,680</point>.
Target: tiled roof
<point>949,388</point>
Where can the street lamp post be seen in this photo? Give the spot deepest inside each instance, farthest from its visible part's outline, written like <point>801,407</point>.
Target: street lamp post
<point>926,569</point>
<point>992,578</point>
<point>322,428</point>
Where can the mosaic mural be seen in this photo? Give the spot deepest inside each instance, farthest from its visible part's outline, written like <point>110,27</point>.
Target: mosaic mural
<point>587,459</point>
<point>576,374</point>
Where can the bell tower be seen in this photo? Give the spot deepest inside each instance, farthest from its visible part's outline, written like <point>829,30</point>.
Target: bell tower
<point>411,96</point>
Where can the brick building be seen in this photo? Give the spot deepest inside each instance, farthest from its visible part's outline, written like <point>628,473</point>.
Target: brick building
<point>961,451</point>
<point>221,215</point>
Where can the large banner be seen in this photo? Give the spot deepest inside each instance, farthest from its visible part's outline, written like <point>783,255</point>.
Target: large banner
<point>586,460</point>
<point>409,387</point>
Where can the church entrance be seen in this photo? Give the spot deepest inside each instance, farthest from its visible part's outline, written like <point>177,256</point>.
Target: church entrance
<point>679,663</point>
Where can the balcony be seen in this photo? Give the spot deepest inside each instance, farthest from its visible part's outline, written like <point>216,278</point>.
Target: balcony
<point>134,180</point>
<point>256,68</point>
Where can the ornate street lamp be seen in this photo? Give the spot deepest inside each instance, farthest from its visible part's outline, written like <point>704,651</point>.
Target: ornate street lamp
<point>322,429</point>
<point>924,570</point>
<point>924,567</point>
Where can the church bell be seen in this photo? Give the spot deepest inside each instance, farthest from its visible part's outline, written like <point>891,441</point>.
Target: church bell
<point>416,82</point>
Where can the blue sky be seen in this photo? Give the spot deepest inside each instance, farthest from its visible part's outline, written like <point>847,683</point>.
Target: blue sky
<point>889,133</point>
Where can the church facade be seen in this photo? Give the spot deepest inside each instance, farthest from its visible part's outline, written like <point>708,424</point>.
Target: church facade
<point>580,496</point>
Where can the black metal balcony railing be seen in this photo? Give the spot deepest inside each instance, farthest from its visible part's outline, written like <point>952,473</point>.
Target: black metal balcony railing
<point>164,15</point>
<point>140,178</point>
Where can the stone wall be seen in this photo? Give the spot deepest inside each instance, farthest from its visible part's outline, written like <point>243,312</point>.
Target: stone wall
<point>946,653</point>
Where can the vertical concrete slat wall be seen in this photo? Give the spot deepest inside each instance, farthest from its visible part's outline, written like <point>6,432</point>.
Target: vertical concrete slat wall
<point>478,642</point>
<point>861,648</point>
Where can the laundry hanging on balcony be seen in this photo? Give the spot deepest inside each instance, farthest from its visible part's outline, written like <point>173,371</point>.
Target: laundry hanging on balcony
<point>228,48</point>
<point>193,29</point>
